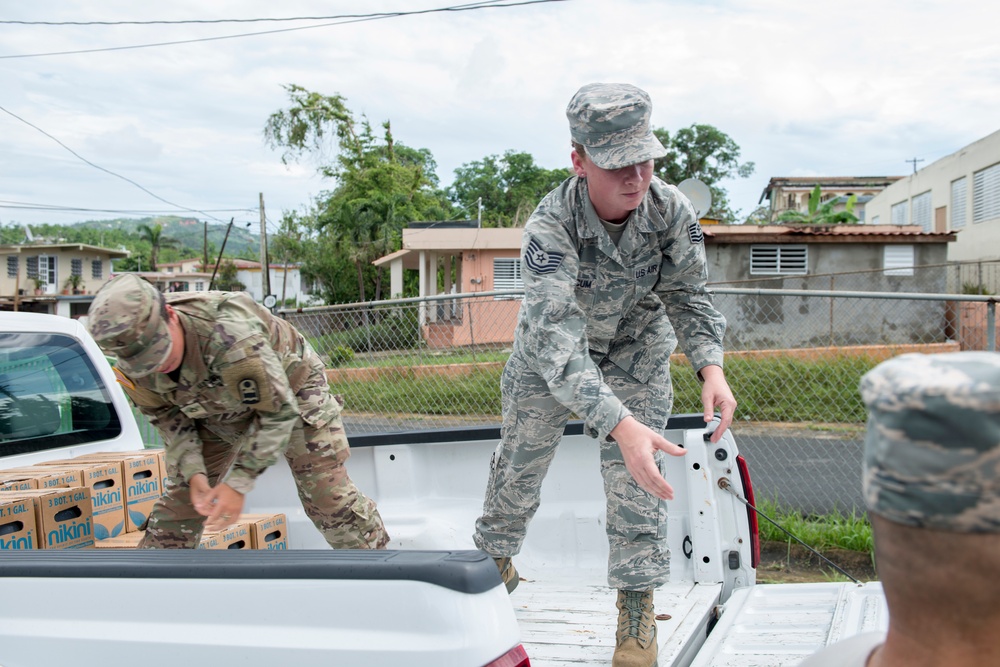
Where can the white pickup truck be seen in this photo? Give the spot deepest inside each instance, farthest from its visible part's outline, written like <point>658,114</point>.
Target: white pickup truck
<point>432,599</point>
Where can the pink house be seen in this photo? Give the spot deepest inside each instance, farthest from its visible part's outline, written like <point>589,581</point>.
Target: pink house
<point>457,257</point>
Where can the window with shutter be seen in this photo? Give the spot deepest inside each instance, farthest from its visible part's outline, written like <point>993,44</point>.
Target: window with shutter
<point>507,274</point>
<point>959,196</point>
<point>986,194</point>
<point>12,266</point>
<point>922,211</point>
<point>97,269</point>
<point>899,213</point>
<point>32,266</point>
<point>770,260</point>
<point>897,260</point>
<point>76,267</point>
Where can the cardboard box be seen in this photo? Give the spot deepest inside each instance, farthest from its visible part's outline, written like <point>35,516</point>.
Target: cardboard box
<point>267,531</point>
<point>64,516</point>
<point>141,479</point>
<point>236,536</point>
<point>12,481</point>
<point>50,478</point>
<point>18,528</point>
<point>123,541</point>
<point>104,479</point>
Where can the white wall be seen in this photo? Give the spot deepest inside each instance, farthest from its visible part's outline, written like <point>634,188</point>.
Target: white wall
<point>975,241</point>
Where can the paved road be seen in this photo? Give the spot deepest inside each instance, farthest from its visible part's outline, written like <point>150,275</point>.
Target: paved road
<point>802,469</point>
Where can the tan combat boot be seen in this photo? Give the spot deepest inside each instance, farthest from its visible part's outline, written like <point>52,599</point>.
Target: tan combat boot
<point>635,641</point>
<point>508,573</point>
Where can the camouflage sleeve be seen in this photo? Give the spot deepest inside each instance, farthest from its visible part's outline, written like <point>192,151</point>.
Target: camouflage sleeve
<point>251,369</point>
<point>682,285</point>
<point>553,327</point>
<point>180,436</point>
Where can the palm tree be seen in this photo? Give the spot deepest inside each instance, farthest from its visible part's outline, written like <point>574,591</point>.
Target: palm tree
<point>154,235</point>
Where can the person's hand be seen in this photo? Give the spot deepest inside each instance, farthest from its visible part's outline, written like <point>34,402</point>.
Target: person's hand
<point>715,393</point>
<point>638,443</point>
<point>221,504</point>
<point>200,494</point>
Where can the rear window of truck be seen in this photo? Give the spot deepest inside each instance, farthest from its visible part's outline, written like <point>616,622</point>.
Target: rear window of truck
<point>50,395</point>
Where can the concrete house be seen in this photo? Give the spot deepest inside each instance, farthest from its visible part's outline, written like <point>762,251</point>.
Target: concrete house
<point>868,258</point>
<point>464,259</point>
<point>57,278</point>
<point>190,276</point>
<point>792,193</point>
<point>959,194</point>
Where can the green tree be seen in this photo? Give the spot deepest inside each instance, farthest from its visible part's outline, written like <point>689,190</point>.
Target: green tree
<point>153,234</point>
<point>226,280</point>
<point>380,184</point>
<point>822,213</point>
<point>509,187</point>
<point>707,153</point>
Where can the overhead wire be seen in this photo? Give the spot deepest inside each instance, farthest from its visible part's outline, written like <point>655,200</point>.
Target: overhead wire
<point>364,18</point>
<point>107,171</point>
<point>471,5</point>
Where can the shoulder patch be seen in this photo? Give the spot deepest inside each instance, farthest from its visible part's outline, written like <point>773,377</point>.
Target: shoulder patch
<point>695,233</point>
<point>247,381</point>
<point>541,261</point>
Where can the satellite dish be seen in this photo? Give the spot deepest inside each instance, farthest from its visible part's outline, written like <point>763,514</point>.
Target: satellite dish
<point>698,194</point>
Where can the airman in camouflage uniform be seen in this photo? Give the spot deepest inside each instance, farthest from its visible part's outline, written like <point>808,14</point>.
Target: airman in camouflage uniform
<point>230,387</point>
<point>931,483</point>
<point>614,271</point>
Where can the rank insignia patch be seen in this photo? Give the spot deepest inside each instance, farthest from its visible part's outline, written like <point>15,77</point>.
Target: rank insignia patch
<point>541,261</point>
<point>695,233</point>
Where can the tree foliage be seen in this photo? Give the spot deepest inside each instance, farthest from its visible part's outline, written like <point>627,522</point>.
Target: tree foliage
<point>153,234</point>
<point>707,153</point>
<point>822,213</point>
<point>381,185</point>
<point>509,187</point>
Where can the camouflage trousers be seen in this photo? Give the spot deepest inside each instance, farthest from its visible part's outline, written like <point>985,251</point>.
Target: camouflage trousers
<point>347,518</point>
<point>533,423</point>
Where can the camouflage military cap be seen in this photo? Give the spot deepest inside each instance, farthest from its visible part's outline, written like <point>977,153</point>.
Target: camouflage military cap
<point>125,320</point>
<point>611,121</point>
<point>932,451</point>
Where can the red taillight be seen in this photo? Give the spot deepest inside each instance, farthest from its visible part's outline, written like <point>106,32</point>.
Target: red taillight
<point>751,515</point>
<point>516,657</point>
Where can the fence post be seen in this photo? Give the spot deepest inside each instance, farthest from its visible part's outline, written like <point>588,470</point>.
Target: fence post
<point>991,326</point>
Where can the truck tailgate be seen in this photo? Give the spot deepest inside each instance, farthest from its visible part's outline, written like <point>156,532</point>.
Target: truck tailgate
<point>566,623</point>
<point>774,625</point>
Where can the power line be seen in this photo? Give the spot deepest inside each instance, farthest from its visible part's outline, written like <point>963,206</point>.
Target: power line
<point>107,171</point>
<point>471,5</point>
<point>364,18</point>
<point>32,206</point>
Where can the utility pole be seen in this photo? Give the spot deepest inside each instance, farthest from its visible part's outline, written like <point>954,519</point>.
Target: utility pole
<point>264,267</point>
<point>204,249</point>
<point>914,161</point>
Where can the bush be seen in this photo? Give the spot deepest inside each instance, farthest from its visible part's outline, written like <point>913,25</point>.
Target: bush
<point>394,332</point>
<point>340,355</point>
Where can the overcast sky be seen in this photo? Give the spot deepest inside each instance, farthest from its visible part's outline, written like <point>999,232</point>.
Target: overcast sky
<point>805,88</point>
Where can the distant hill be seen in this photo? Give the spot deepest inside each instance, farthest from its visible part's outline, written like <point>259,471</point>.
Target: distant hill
<point>189,232</point>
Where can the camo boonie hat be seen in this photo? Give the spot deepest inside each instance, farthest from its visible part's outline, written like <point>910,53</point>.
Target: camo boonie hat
<point>932,451</point>
<point>125,321</point>
<point>611,121</point>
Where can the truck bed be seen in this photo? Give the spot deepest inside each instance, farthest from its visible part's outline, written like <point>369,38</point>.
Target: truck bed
<point>430,493</point>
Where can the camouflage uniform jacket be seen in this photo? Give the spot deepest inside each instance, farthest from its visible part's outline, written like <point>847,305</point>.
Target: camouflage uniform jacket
<point>246,378</point>
<point>586,299</point>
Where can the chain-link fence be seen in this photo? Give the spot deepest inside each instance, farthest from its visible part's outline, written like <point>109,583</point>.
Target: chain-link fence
<point>794,359</point>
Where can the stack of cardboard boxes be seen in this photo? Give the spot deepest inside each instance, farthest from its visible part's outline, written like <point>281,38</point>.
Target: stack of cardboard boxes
<point>102,500</point>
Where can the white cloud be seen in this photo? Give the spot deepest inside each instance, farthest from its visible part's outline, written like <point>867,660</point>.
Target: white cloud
<point>803,87</point>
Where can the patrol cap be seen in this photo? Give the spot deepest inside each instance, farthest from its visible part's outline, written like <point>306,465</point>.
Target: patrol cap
<point>932,450</point>
<point>125,319</point>
<point>611,121</point>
